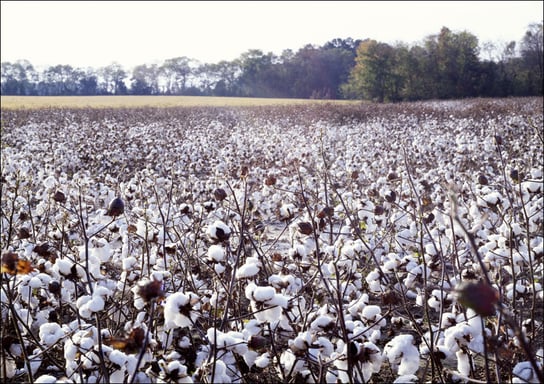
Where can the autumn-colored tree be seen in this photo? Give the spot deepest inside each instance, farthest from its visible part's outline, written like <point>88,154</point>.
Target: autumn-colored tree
<point>373,76</point>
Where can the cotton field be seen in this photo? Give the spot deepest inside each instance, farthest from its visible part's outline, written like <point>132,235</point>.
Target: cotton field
<point>297,244</point>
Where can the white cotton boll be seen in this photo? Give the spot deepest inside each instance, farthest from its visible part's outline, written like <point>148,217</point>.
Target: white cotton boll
<point>287,211</point>
<point>218,231</point>
<point>263,361</point>
<point>250,288</point>
<point>250,357</point>
<point>101,291</point>
<point>87,343</point>
<point>321,322</point>
<point>35,362</point>
<point>251,328</point>
<point>403,354</point>
<point>269,315</point>
<point>370,312</point>
<point>46,379</point>
<point>220,373</point>
<point>456,336</point>
<point>63,266</point>
<point>301,342</point>
<point>390,265</point>
<point>523,372</point>
<point>372,276</point>
<point>406,379</point>
<point>70,350</point>
<point>216,253</point>
<point>102,251</point>
<point>290,362</point>
<point>50,333</point>
<point>34,282</point>
<point>247,270</point>
<point>327,348</point>
<point>117,357</point>
<point>81,304</point>
<point>463,363</point>
<point>174,303</point>
<point>129,263</point>
<point>142,229</point>
<point>49,182</point>
<point>219,268</point>
<point>96,304</point>
<point>118,376</point>
<point>279,300</point>
<point>263,294</point>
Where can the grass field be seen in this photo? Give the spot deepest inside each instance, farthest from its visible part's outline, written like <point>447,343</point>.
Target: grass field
<point>37,102</point>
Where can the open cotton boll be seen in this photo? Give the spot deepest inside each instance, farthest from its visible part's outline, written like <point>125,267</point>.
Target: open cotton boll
<point>523,372</point>
<point>216,253</point>
<point>322,322</point>
<point>249,269</point>
<point>220,374</point>
<point>463,362</point>
<point>96,304</point>
<point>50,333</point>
<point>82,306</point>
<point>263,361</point>
<point>101,250</point>
<point>263,294</point>
<point>178,310</point>
<point>290,362</point>
<point>218,231</point>
<point>402,354</point>
<point>406,379</point>
<point>46,379</point>
<point>117,357</point>
<point>129,263</point>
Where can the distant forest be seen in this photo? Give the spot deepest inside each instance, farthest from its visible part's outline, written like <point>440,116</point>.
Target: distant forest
<point>444,66</point>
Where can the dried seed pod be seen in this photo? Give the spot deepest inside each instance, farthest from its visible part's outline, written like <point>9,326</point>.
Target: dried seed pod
<point>305,228</point>
<point>390,197</point>
<point>151,290</point>
<point>498,140</point>
<point>55,287</point>
<point>270,180</point>
<point>24,233</point>
<point>220,194</point>
<point>479,296</point>
<point>116,207</point>
<point>325,212</point>
<point>392,176</point>
<point>482,179</point>
<point>59,197</point>
<point>514,174</point>
<point>378,210</point>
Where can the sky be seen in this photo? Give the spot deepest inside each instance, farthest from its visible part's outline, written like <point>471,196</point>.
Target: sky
<point>97,33</point>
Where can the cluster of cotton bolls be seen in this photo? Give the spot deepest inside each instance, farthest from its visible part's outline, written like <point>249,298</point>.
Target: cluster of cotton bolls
<point>299,244</point>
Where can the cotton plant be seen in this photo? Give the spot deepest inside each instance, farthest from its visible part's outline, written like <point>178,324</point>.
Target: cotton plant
<point>366,360</point>
<point>87,305</point>
<point>402,354</point>
<point>181,310</point>
<point>266,304</point>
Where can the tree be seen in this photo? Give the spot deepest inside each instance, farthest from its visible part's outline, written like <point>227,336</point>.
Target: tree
<point>18,78</point>
<point>532,56</point>
<point>373,76</point>
<point>113,80</point>
<point>177,72</point>
<point>145,80</point>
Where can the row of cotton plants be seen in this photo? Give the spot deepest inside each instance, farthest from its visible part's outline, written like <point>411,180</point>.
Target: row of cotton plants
<point>326,243</point>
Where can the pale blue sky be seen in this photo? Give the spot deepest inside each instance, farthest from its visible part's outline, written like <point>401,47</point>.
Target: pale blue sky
<point>88,33</point>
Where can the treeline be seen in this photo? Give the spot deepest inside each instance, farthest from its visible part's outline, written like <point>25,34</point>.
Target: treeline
<point>445,65</point>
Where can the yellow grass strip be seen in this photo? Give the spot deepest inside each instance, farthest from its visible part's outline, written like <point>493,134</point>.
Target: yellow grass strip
<point>38,102</point>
